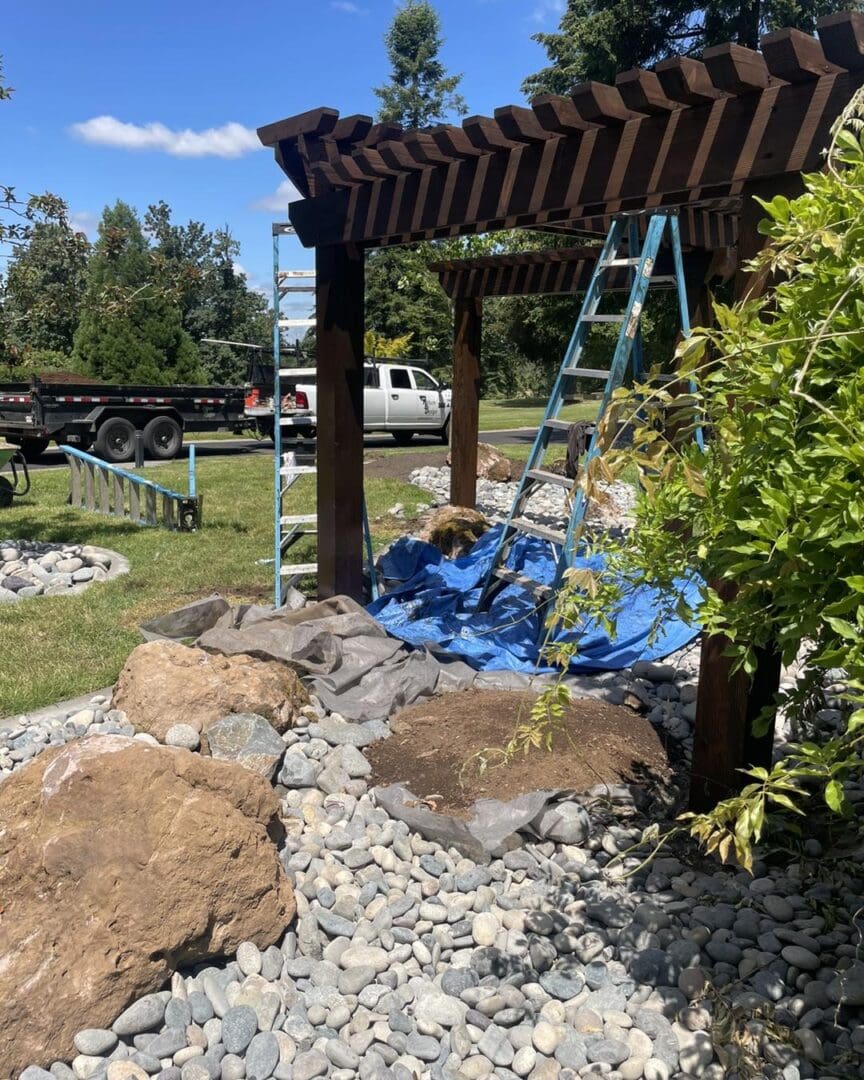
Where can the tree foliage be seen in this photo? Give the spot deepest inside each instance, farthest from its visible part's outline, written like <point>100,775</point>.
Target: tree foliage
<point>130,329</point>
<point>419,92</point>
<point>598,38</point>
<point>214,299</point>
<point>43,290</point>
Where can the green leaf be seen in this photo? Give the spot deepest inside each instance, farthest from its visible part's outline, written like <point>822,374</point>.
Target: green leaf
<point>835,796</point>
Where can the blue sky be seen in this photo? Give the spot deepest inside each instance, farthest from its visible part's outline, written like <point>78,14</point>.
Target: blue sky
<point>92,78</point>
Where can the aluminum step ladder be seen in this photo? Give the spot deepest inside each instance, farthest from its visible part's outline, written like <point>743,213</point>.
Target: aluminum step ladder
<point>289,529</point>
<point>641,259</point>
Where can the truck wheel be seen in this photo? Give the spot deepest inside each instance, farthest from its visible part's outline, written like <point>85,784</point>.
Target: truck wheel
<point>445,433</point>
<point>115,440</point>
<point>402,438</point>
<point>33,449</point>
<point>163,438</point>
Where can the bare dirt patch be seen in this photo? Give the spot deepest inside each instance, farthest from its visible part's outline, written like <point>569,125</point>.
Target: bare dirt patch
<point>431,744</point>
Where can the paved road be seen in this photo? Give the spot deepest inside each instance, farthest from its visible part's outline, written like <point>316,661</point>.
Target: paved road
<point>209,448</point>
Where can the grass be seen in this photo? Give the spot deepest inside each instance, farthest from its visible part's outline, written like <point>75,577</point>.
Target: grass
<point>528,412</point>
<point>59,647</point>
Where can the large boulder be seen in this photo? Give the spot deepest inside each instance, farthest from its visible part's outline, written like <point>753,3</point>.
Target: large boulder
<point>454,530</point>
<point>491,463</point>
<point>165,683</point>
<point>119,862</point>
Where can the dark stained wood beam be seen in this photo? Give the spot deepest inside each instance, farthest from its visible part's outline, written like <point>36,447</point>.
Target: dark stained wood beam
<point>602,104</point>
<point>397,155</point>
<point>423,148</point>
<point>795,57</point>
<point>559,115</point>
<point>687,80</point>
<point>641,91</point>
<point>736,70</point>
<point>315,122</point>
<point>465,415</point>
<point>486,134</point>
<point>453,142</point>
<point>842,37</point>
<point>521,125</point>
<point>340,357</point>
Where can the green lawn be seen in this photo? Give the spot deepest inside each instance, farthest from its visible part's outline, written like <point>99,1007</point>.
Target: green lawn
<point>519,413</point>
<point>58,647</point>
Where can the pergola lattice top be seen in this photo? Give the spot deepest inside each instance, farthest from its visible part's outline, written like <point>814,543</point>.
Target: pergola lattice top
<point>689,134</point>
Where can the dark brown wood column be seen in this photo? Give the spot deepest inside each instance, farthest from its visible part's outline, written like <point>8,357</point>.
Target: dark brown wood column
<point>729,702</point>
<point>339,356</point>
<point>465,417</point>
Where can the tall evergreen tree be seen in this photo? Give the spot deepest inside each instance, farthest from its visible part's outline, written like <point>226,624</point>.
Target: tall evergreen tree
<point>419,92</point>
<point>598,38</point>
<point>44,288</point>
<point>131,329</point>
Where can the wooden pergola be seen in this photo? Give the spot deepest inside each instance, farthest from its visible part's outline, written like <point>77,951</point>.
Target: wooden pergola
<point>702,136</point>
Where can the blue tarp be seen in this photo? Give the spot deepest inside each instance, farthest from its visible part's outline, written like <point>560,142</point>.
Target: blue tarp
<point>435,606</point>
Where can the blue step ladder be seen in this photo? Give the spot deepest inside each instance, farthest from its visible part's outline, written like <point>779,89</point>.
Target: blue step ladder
<point>641,259</point>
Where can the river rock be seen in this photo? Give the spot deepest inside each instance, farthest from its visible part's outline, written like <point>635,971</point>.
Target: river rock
<point>112,870</point>
<point>249,740</point>
<point>164,683</point>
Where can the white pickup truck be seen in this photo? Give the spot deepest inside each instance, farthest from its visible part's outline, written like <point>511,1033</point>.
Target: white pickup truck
<point>398,397</point>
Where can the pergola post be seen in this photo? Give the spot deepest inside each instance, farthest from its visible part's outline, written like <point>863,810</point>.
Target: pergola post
<point>339,357</point>
<point>729,702</point>
<point>465,414</point>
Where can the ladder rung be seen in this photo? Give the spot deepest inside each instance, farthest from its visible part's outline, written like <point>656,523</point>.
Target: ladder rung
<point>663,279</point>
<point>542,532</point>
<point>558,425</point>
<point>298,519</point>
<point>298,470</point>
<point>622,262</point>
<point>514,578</point>
<point>603,318</point>
<point>545,477</point>
<point>585,373</point>
<point>299,568</point>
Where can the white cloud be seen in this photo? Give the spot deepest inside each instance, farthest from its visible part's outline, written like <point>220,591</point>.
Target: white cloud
<point>547,10</point>
<point>347,8</point>
<point>84,221</point>
<point>277,201</point>
<point>239,270</point>
<point>231,140</point>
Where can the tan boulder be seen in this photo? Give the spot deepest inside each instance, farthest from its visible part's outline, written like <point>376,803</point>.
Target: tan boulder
<point>119,862</point>
<point>454,530</point>
<point>491,463</point>
<point>165,683</point>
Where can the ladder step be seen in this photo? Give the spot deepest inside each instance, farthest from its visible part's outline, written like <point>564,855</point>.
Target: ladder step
<point>544,477</point>
<point>663,279</point>
<point>299,568</point>
<point>558,425</point>
<point>621,262</point>
<point>514,578</point>
<point>298,519</point>
<point>603,318</point>
<point>298,470</point>
<point>585,373</point>
<point>542,532</point>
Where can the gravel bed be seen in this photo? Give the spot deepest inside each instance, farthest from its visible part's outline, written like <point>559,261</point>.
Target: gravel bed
<point>547,506</point>
<point>33,568</point>
<point>553,960</point>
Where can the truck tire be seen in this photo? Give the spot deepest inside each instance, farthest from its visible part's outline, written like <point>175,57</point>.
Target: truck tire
<point>115,440</point>
<point>163,438</point>
<point>445,432</point>
<point>402,438</point>
<point>33,449</point>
